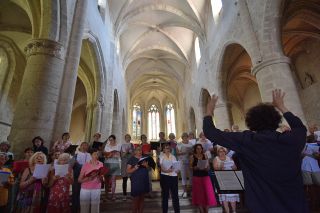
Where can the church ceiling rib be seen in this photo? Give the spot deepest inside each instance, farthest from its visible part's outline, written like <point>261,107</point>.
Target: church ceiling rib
<point>151,46</point>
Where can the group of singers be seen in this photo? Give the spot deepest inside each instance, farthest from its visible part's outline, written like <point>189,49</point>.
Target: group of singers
<point>24,192</point>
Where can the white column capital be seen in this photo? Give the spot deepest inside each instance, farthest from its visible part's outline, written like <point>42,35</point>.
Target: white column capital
<point>44,47</point>
<point>269,62</point>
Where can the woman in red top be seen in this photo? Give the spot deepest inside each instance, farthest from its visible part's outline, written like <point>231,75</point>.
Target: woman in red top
<point>146,151</point>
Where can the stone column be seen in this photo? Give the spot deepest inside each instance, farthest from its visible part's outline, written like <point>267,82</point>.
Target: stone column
<point>222,116</point>
<point>144,120</point>
<point>97,116</point>
<point>275,73</point>
<point>37,102</point>
<point>70,70</point>
<point>89,122</point>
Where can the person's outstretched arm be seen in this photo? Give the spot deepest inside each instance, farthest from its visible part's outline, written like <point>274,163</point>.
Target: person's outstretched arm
<point>278,102</point>
<point>231,140</point>
<point>298,131</point>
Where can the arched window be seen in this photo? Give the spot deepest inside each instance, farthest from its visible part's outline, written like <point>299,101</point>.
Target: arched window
<point>197,50</point>
<point>136,121</point>
<point>170,119</point>
<point>216,6</point>
<point>153,122</point>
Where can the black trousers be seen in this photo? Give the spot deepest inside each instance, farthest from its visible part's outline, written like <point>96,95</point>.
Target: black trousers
<point>76,187</point>
<point>170,184</point>
<point>124,185</point>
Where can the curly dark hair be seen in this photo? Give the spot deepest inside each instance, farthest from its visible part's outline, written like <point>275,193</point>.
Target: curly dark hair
<point>39,138</point>
<point>263,116</point>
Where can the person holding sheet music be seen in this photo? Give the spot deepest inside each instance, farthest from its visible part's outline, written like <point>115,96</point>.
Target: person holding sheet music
<point>146,151</point>
<point>203,195</point>
<point>192,138</point>
<point>223,162</point>
<point>18,167</point>
<point>77,162</point>
<point>206,145</point>
<point>63,143</point>
<point>126,153</point>
<point>97,144</point>
<point>60,179</point>
<point>7,180</point>
<point>5,147</point>
<point>90,184</point>
<point>139,177</point>
<point>169,179</point>
<point>310,166</point>
<point>32,189</point>
<point>112,162</point>
<point>184,149</point>
<point>270,160</point>
<point>173,143</point>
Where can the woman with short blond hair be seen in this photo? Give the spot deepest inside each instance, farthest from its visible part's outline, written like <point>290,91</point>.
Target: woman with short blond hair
<point>32,193</point>
<point>223,162</point>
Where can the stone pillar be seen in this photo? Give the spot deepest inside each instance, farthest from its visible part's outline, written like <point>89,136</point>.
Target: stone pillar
<point>97,116</point>
<point>89,122</point>
<point>70,70</point>
<point>275,73</point>
<point>222,116</point>
<point>37,102</point>
<point>144,120</point>
<point>163,125</point>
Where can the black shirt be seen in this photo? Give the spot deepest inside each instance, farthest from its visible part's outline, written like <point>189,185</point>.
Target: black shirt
<point>271,165</point>
<point>198,173</point>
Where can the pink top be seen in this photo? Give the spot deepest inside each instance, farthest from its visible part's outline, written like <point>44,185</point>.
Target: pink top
<point>87,168</point>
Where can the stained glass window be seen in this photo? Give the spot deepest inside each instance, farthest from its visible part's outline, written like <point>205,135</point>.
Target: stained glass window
<point>170,118</point>
<point>136,121</point>
<point>153,122</point>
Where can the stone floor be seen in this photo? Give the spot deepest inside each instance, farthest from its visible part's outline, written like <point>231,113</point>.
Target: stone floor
<point>152,205</point>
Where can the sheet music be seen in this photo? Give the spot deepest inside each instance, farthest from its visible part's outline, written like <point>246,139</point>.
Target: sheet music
<point>166,164</point>
<point>4,177</point>
<point>227,165</point>
<point>227,180</point>
<point>83,158</point>
<point>240,177</point>
<point>202,164</point>
<point>176,166</point>
<point>41,171</point>
<point>61,170</point>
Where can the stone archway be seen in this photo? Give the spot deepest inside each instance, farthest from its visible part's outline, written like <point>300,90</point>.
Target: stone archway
<point>238,85</point>
<point>204,97</point>
<point>79,113</point>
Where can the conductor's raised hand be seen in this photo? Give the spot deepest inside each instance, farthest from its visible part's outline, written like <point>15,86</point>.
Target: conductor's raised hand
<point>278,100</point>
<point>212,101</point>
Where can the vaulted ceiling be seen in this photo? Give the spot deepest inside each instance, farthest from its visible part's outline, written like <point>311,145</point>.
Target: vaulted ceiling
<point>156,40</point>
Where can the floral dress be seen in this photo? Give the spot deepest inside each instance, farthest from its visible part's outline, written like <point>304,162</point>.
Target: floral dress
<point>59,198</point>
<point>31,198</point>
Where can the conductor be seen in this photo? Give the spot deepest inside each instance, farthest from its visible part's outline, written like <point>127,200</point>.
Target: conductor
<point>270,160</point>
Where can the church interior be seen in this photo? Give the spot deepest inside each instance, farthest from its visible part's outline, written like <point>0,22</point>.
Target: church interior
<point>137,67</point>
